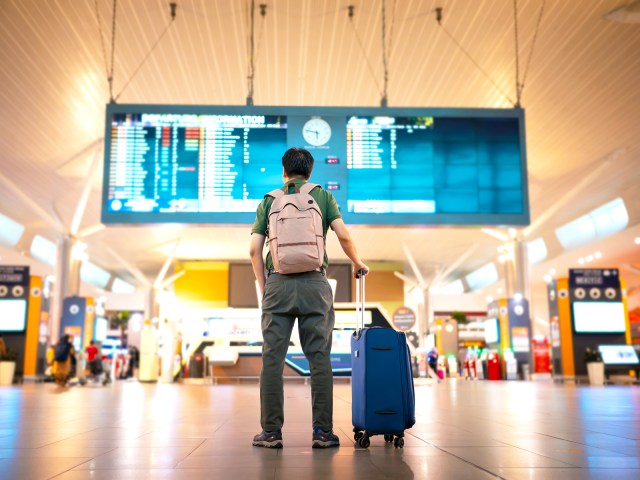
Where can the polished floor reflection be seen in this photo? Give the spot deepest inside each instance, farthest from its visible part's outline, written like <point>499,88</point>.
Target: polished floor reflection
<point>464,430</point>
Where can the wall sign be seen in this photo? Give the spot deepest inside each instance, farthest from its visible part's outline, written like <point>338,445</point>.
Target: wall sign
<point>404,318</point>
<point>14,298</point>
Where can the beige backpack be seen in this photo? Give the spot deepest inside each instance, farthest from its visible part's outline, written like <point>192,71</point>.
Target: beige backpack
<point>294,232</point>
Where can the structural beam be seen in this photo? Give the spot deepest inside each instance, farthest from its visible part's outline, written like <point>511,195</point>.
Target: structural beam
<point>86,190</point>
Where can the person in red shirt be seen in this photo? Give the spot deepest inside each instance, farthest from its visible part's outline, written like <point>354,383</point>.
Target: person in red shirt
<point>93,360</point>
<point>92,352</point>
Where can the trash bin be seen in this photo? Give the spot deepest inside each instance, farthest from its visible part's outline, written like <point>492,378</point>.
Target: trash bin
<point>196,366</point>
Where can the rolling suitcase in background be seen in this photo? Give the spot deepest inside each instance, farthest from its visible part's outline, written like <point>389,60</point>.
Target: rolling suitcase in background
<point>382,393</point>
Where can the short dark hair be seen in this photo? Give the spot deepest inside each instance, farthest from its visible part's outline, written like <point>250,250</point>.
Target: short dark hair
<point>297,162</point>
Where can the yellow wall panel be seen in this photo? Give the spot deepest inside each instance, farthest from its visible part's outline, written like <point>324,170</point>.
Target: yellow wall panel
<point>625,304</point>
<point>383,287</point>
<point>503,318</point>
<point>89,320</point>
<point>566,329</point>
<point>205,283</point>
<point>33,325</point>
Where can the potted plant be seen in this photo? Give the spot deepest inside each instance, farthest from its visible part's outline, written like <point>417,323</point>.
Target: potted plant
<point>7,366</point>
<point>595,366</point>
<point>459,317</point>
<point>121,320</point>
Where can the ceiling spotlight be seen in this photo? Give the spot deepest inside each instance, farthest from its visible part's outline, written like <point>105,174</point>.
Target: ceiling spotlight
<point>581,261</point>
<point>637,240</point>
<point>597,255</point>
<point>552,271</point>
<point>489,298</point>
<point>547,278</point>
<point>589,258</point>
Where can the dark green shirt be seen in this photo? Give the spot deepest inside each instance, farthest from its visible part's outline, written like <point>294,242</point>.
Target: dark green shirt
<point>326,202</point>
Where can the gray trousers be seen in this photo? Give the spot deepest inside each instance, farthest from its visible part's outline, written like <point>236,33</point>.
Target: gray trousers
<point>307,297</point>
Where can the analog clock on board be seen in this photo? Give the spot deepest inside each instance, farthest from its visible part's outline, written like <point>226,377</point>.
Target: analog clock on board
<point>316,132</point>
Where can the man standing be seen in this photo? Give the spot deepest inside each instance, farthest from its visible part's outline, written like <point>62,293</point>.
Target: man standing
<point>306,296</point>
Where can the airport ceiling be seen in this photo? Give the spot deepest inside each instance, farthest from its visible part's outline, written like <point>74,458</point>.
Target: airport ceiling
<point>580,95</point>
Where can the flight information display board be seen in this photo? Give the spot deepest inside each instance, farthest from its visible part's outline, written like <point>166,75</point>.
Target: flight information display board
<point>385,166</point>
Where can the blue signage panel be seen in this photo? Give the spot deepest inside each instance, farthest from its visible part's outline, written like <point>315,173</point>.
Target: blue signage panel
<point>340,362</point>
<point>397,166</point>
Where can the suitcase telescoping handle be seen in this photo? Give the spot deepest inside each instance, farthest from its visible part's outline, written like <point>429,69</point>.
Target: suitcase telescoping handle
<point>359,301</point>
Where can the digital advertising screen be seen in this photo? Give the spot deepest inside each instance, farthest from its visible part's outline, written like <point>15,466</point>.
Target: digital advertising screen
<point>385,166</point>
<point>492,330</point>
<point>618,354</point>
<point>13,315</point>
<point>598,317</point>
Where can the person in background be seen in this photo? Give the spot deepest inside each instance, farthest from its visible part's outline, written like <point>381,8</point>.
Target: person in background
<point>92,356</point>
<point>62,359</point>
<point>432,360</point>
<point>134,362</point>
<point>92,351</point>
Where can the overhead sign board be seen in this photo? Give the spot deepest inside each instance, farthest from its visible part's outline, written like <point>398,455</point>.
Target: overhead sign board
<point>385,166</point>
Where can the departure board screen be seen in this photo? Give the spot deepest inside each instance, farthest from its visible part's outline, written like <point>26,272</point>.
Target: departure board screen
<point>167,163</point>
<point>385,166</point>
<point>426,165</point>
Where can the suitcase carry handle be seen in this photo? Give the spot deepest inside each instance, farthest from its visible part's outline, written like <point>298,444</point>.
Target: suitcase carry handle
<point>360,274</point>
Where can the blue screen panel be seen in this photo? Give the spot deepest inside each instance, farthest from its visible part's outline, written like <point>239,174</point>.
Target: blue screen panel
<point>392,166</point>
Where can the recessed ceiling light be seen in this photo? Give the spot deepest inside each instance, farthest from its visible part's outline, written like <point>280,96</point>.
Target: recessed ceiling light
<point>581,261</point>
<point>547,278</point>
<point>597,255</point>
<point>637,240</point>
<point>552,271</point>
<point>589,258</point>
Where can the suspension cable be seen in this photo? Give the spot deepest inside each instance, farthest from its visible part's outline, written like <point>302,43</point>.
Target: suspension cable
<point>251,54</point>
<point>351,9</point>
<point>263,14</point>
<point>144,60</point>
<point>533,44</point>
<point>385,66</point>
<point>113,49</point>
<point>438,12</point>
<point>387,47</point>
<point>104,48</point>
<point>515,24</point>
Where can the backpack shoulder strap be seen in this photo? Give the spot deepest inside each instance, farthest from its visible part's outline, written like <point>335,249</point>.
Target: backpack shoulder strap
<point>307,187</point>
<point>277,193</point>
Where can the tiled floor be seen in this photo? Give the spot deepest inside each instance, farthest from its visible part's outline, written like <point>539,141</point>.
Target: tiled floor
<point>464,430</point>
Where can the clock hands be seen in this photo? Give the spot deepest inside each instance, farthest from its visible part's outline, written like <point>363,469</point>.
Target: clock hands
<point>313,131</point>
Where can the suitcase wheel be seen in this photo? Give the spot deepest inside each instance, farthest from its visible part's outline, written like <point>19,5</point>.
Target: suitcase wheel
<point>358,435</point>
<point>398,442</point>
<point>388,438</point>
<point>364,441</point>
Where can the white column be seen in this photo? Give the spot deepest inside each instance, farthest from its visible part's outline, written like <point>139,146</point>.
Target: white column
<point>521,268</point>
<point>150,304</point>
<point>61,285</point>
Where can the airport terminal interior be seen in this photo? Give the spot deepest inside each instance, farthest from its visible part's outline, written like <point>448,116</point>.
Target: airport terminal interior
<point>484,156</point>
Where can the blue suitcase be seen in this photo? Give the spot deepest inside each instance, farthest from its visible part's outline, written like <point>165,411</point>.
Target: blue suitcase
<point>382,392</point>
